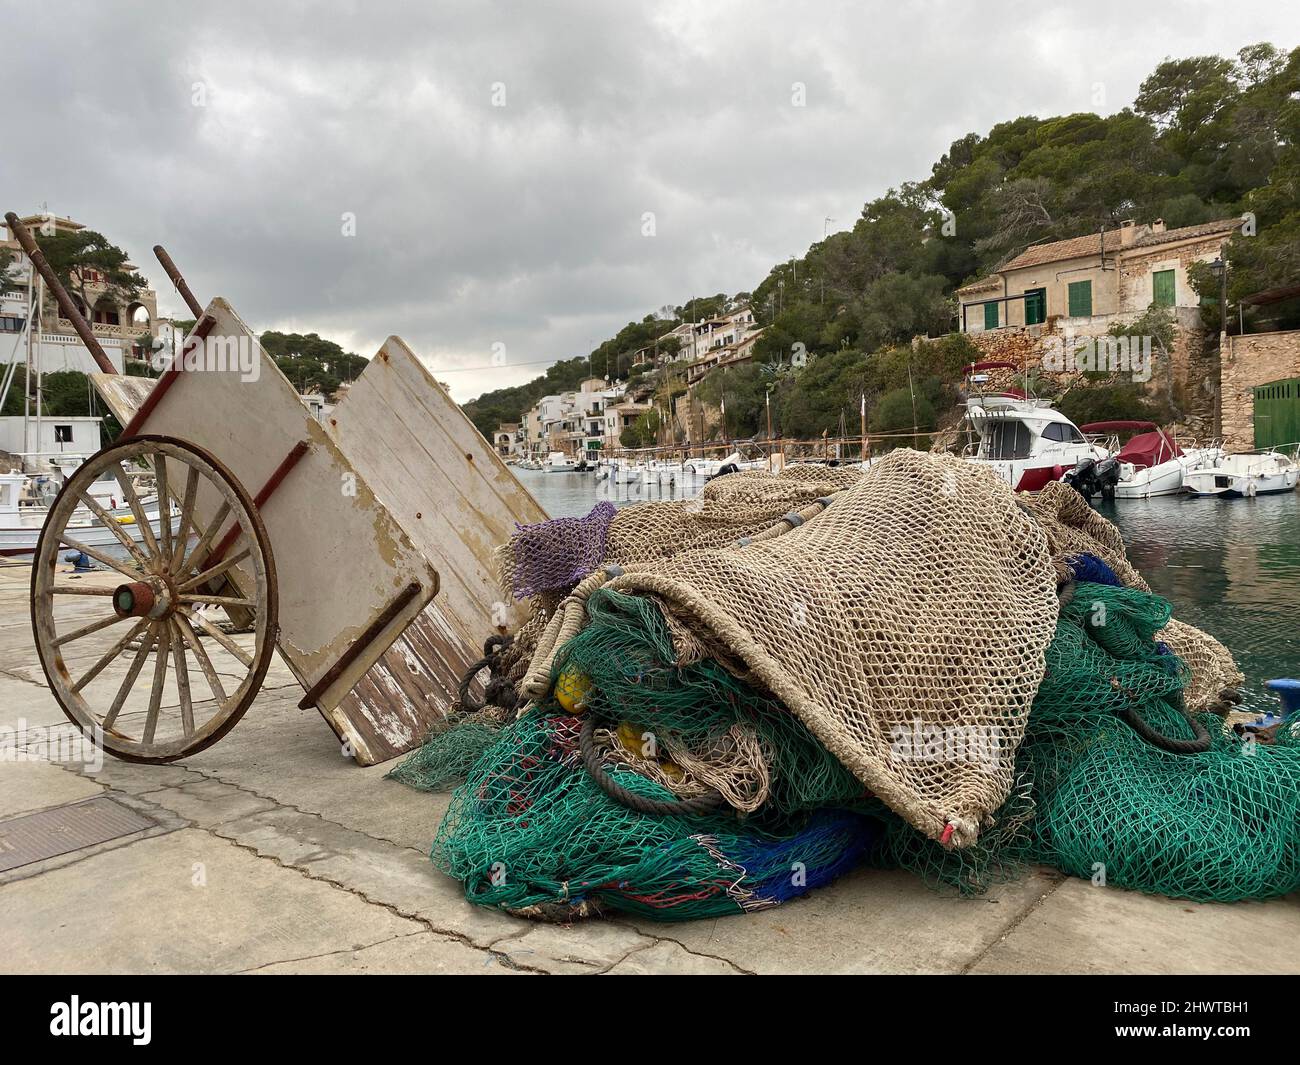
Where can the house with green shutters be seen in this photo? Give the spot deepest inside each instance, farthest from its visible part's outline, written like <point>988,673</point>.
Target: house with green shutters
<point>1086,284</point>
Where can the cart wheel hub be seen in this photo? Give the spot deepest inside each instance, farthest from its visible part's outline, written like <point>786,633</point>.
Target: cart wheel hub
<point>142,599</point>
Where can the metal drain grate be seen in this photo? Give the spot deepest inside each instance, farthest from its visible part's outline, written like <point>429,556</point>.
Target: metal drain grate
<point>64,829</point>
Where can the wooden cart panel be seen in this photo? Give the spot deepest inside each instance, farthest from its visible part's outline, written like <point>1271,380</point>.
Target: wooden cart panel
<point>341,558</point>
<point>458,502</point>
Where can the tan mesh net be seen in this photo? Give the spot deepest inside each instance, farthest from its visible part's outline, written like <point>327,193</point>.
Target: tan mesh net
<point>902,614</point>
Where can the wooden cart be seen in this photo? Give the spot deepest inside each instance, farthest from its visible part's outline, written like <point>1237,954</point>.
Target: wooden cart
<point>326,540</point>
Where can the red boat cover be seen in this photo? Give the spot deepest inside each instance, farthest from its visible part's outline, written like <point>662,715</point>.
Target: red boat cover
<point>1149,449</point>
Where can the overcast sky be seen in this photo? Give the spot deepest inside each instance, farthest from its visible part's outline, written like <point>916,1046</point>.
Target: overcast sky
<point>240,135</point>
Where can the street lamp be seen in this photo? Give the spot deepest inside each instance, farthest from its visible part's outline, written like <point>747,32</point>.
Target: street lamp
<point>1220,270</point>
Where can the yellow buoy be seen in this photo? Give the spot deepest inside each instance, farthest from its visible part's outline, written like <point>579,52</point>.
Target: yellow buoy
<point>571,689</point>
<point>126,519</point>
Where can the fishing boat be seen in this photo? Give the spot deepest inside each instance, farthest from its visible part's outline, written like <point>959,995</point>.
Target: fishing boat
<point>559,462</point>
<point>20,526</point>
<point>1151,463</point>
<point>1252,473</point>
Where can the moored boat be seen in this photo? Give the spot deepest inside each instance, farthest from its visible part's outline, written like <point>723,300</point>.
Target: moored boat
<point>1151,463</point>
<point>1259,473</point>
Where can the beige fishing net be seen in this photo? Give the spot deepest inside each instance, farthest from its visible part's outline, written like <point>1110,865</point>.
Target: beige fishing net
<point>902,614</point>
<point>904,623</point>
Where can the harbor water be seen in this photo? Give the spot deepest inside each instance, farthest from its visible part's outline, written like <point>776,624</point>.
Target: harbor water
<point>1228,566</point>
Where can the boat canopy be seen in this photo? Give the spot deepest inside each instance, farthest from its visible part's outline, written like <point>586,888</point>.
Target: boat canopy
<point>1149,449</point>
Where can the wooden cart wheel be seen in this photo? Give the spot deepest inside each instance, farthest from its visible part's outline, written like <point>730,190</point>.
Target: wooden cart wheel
<point>95,633</point>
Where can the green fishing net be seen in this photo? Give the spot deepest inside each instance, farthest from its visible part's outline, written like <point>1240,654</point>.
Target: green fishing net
<point>531,831</point>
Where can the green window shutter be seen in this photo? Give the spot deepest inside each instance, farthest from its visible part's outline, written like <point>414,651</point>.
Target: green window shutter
<point>990,316</point>
<point>1162,288</point>
<point>1080,299</point>
<point>1035,306</point>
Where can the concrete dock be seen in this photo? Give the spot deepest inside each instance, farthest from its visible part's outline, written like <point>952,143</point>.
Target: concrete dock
<point>271,852</point>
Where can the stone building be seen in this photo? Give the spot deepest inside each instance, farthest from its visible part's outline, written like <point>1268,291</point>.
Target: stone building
<point>1086,284</point>
<point>117,325</point>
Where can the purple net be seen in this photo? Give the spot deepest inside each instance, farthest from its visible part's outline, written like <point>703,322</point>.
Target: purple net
<point>552,556</point>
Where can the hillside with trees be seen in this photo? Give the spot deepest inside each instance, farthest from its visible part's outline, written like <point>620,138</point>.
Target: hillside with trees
<point>1207,137</point>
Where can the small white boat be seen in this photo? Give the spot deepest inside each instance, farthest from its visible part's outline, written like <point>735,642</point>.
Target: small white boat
<point>1151,463</point>
<point>559,462</point>
<point>1246,475</point>
<point>20,527</point>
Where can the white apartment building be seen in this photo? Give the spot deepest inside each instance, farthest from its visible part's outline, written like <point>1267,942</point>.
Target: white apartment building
<point>54,344</point>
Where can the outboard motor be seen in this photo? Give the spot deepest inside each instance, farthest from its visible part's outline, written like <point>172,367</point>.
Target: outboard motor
<point>1094,476</point>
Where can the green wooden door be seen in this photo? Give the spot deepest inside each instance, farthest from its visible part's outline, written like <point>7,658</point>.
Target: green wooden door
<point>1277,413</point>
<point>1080,299</point>
<point>1035,306</point>
<point>1162,288</point>
<point>990,316</point>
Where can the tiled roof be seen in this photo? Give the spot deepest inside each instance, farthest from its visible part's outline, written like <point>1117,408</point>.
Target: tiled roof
<point>1079,247</point>
<point>1073,248</point>
<point>993,281</point>
<point>1205,229</point>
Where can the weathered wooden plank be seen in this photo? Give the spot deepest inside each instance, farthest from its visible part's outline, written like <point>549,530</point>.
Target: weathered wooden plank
<point>123,395</point>
<point>457,500</point>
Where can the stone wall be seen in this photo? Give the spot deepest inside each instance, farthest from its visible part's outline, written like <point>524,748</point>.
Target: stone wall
<point>1136,288</point>
<point>1185,379</point>
<point>1251,360</point>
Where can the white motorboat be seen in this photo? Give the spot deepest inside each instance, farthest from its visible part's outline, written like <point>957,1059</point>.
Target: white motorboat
<point>1256,473</point>
<point>1025,441</point>
<point>1151,463</point>
<point>559,462</point>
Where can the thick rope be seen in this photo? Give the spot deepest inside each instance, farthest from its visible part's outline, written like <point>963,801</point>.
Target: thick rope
<point>591,759</point>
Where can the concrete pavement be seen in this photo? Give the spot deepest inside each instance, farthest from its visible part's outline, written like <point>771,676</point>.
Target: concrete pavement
<point>271,852</point>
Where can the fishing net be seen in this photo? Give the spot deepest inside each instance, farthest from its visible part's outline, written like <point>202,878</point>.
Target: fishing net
<point>531,832</point>
<point>718,785</point>
<point>919,601</point>
<point>552,556</point>
<point>1220,824</point>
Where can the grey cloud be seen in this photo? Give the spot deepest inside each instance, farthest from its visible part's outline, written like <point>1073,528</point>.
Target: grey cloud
<point>522,224</point>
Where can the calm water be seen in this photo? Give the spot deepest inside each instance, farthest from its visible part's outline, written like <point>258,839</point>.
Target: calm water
<point>1230,567</point>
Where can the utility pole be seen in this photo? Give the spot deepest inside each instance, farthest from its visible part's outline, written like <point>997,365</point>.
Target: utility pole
<point>866,448</point>
<point>826,226</point>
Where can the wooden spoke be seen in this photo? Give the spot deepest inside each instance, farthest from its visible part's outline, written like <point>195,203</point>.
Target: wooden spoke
<point>187,517</point>
<point>182,678</point>
<point>205,663</point>
<point>161,647</point>
<point>164,508</point>
<point>113,526</point>
<point>104,623</point>
<point>104,560</point>
<point>128,682</point>
<point>128,490</point>
<point>207,599</point>
<point>215,571</point>
<point>175,633</point>
<point>220,637</point>
<point>200,553</point>
<point>111,654</point>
